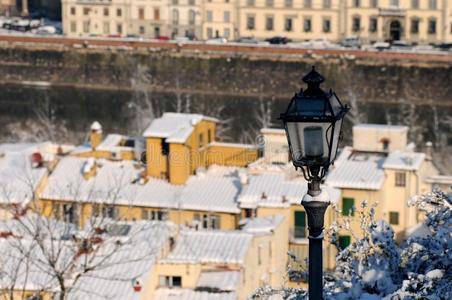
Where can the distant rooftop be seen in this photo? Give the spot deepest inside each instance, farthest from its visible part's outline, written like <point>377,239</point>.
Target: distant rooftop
<point>175,127</point>
<point>120,183</point>
<point>187,294</point>
<point>222,281</point>
<point>113,143</point>
<point>359,170</point>
<point>213,246</point>
<point>382,126</point>
<point>262,224</point>
<point>404,160</point>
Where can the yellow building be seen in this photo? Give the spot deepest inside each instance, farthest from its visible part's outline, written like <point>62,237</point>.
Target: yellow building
<point>228,263</point>
<point>220,19</point>
<point>113,147</point>
<point>380,169</point>
<point>178,144</point>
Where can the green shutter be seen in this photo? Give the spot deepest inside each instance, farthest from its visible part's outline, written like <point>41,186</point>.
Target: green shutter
<point>347,206</point>
<point>300,219</point>
<point>344,241</point>
<point>393,218</point>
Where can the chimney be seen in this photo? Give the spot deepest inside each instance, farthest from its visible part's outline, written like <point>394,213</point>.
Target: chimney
<point>95,136</point>
<point>36,160</point>
<point>428,151</point>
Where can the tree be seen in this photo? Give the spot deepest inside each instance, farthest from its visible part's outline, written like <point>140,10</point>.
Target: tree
<point>376,267</point>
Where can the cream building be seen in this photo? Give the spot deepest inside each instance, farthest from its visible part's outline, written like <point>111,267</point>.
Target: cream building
<point>415,21</point>
<point>115,17</point>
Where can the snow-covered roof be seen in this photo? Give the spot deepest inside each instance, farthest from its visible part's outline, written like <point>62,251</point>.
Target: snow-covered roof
<point>273,189</point>
<point>213,246</point>
<point>262,224</point>
<point>113,143</point>
<point>439,179</point>
<point>187,294</point>
<point>382,126</point>
<point>133,261</point>
<point>117,183</point>
<point>357,170</point>
<point>273,131</point>
<point>18,178</point>
<point>175,127</point>
<point>404,160</point>
<point>219,280</point>
<point>211,193</point>
<point>233,145</point>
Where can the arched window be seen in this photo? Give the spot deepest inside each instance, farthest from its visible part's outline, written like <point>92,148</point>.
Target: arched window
<point>175,16</point>
<point>191,17</point>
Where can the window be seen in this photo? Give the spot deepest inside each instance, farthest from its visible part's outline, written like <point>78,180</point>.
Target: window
<point>227,34</point>
<point>394,3</point>
<point>226,19</point>
<point>250,2</point>
<point>119,28</point>
<point>307,25</point>
<point>73,10</point>
<point>415,4</point>
<point>259,255</point>
<point>156,14</point>
<point>288,3</point>
<point>344,241</point>
<point>269,23</point>
<point>269,3</point>
<point>393,218</point>
<point>201,140</point>
<point>307,3</point>
<point>299,224</point>
<point>109,212</point>
<point>357,3</point>
<point>373,24</point>
<point>175,17</point>
<point>106,26</point>
<point>118,12</point>
<point>141,13</point>
<point>288,24</point>
<point>85,26</point>
<point>142,30</point>
<point>106,12</point>
<point>348,206</point>
<point>209,33</point>
<point>356,24</point>
<point>432,4</point>
<point>326,3</point>
<point>374,3</point>
<point>326,25</point>
<point>154,215</point>
<point>73,26</point>
<point>400,179</point>
<point>215,221</point>
<point>209,136</point>
<point>191,17</point>
<point>170,281</point>
<point>250,23</point>
<point>414,26</point>
<point>209,16</point>
<point>175,2</point>
<point>191,2</point>
<point>431,26</point>
<point>86,11</point>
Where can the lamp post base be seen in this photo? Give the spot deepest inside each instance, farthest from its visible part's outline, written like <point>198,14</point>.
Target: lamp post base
<point>316,212</point>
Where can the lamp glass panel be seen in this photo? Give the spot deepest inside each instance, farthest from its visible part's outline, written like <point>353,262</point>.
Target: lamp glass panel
<point>335,141</point>
<point>309,141</point>
<point>335,104</point>
<point>311,107</point>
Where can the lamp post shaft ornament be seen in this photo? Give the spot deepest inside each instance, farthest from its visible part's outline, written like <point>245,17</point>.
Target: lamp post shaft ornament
<point>313,122</point>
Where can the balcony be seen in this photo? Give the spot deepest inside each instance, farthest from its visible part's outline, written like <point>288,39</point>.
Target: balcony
<point>392,12</point>
<point>298,234</point>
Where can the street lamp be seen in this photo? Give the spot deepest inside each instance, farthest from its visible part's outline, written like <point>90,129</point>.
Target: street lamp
<point>313,122</point>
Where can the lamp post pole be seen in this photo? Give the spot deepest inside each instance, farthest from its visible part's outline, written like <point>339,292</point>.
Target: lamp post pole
<point>315,203</point>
